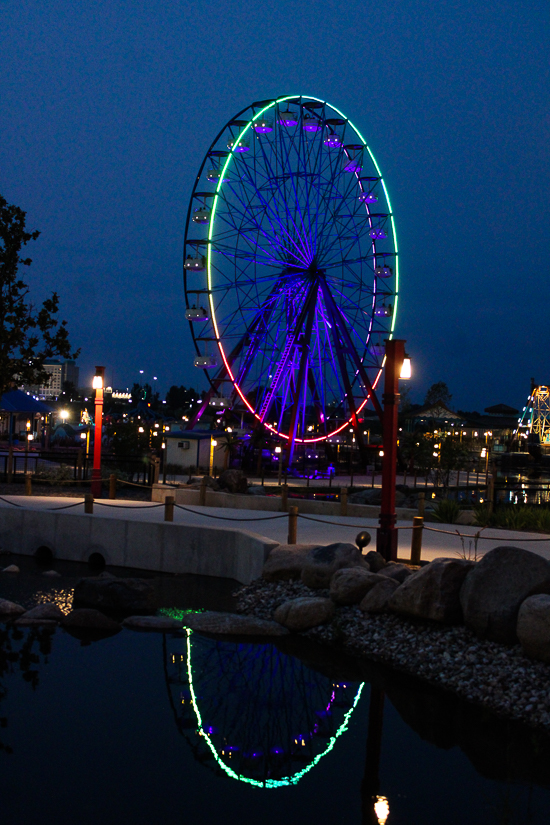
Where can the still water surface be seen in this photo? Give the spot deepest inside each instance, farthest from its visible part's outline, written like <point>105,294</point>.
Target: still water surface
<point>144,728</point>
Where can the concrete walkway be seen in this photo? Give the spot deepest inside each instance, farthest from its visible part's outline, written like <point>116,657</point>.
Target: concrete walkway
<point>311,530</point>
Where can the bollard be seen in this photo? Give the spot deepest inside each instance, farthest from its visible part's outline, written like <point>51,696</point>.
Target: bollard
<point>416,540</point>
<point>284,498</point>
<point>112,486</point>
<point>88,503</point>
<point>28,484</point>
<point>292,525</point>
<point>202,493</point>
<point>421,504</point>
<point>343,501</point>
<point>169,502</point>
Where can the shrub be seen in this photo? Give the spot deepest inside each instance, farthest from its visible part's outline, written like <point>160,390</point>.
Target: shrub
<point>447,511</point>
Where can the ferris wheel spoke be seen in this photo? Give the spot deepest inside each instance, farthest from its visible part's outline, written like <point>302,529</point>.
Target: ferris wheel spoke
<point>273,214</point>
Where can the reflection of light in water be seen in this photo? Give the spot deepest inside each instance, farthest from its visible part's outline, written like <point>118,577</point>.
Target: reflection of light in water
<point>206,732</point>
<point>381,809</point>
<point>63,599</point>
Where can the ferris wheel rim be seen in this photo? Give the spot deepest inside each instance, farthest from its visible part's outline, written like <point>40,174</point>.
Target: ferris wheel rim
<point>265,106</point>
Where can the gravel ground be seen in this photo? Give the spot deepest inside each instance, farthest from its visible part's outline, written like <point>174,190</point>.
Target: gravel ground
<point>495,676</point>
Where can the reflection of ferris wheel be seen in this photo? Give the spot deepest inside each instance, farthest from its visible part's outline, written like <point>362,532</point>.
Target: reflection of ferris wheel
<point>291,269</point>
<point>259,715</point>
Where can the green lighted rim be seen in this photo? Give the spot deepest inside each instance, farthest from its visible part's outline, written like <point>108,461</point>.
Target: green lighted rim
<point>209,255</point>
<point>269,783</point>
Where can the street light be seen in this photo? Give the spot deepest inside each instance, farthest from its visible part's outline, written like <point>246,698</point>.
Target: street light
<point>279,452</point>
<point>386,535</point>
<point>97,384</point>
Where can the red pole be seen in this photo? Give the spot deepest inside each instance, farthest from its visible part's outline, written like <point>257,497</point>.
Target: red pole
<point>386,535</point>
<point>98,426</point>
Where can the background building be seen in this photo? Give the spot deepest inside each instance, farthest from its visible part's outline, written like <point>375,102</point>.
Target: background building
<point>60,372</point>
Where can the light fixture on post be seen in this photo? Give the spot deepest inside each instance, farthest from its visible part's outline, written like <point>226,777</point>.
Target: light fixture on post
<point>97,384</point>
<point>213,443</point>
<point>386,535</point>
<point>279,452</point>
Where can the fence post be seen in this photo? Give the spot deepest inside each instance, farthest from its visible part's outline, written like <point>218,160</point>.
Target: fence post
<point>202,492</point>
<point>292,525</point>
<point>416,540</point>
<point>88,503</point>
<point>169,502</point>
<point>343,501</point>
<point>10,465</point>
<point>284,498</point>
<point>112,486</point>
<point>28,484</point>
<point>421,504</point>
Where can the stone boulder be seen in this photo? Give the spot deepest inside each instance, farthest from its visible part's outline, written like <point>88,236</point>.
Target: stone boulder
<point>323,561</point>
<point>10,609</point>
<point>232,624</point>
<point>211,483</point>
<point>88,618</point>
<point>106,592</point>
<point>286,562</point>
<point>496,587</point>
<point>375,561</point>
<point>433,592</point>
<point>304,613</point>
<point>348,586</point>
<point>370,496</point>
<point>234,481</point>
<point>377,598</point>
<point>395,570</point>
<point>159,623</point>
<point>256,490</point>
<point>11,568</point>
<point>51,574</point>
<point>47,613</point>
<point>533,627</point>
<point>314,564</point>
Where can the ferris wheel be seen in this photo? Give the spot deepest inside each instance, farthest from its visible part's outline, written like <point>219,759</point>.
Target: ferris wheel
<point>291,268</point>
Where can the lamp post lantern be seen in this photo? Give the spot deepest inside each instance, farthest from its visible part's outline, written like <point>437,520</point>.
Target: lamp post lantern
<point>386,535</point>
<point>98,384</point>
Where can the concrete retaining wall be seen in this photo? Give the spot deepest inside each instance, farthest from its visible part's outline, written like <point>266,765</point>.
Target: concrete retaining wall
<point>164,547</point>
<point>271,504</point>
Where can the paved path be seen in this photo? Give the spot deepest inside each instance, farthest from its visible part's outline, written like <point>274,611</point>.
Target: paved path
<point>311,529</point>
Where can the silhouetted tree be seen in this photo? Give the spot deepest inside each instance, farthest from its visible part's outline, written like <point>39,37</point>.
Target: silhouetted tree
<point>28,335</point>
<point>438,394</point>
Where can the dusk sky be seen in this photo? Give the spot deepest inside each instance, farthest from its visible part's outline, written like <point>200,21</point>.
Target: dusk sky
<point>108,108</point>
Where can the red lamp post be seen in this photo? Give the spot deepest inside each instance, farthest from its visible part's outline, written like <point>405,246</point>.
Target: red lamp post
<point>97,384</point>
<point>386,535</point>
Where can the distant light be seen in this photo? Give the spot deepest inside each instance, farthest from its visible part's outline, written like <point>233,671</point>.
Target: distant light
<point>140,430</point>
<point>82,435</point>
<point>97,383</point>
<point>214,442</point>
<point>277,450</point>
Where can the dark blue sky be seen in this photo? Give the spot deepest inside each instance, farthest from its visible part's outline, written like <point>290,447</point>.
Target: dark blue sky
<point>107,109</point>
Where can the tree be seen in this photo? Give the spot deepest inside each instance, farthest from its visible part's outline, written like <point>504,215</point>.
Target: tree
<point>438,394</point>
<point>28,335</point>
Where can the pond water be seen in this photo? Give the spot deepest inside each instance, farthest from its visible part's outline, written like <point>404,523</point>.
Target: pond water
<point>146,728</point>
